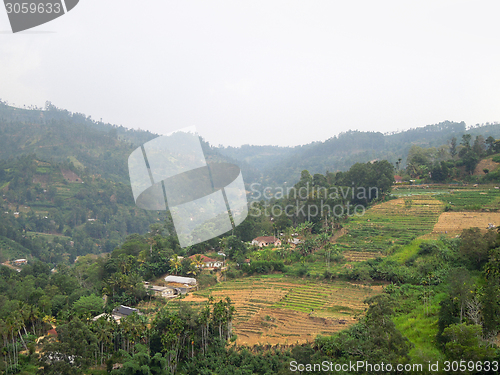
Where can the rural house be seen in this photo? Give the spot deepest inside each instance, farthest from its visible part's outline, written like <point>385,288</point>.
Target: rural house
<point>162,291</point>
<point>119,313</point>
<point>266,241</point>
<point>207,262</point>
<point>181,285</point>
<point>20,262</point>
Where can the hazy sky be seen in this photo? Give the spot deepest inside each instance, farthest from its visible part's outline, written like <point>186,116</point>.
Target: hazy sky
<point>261,72</point>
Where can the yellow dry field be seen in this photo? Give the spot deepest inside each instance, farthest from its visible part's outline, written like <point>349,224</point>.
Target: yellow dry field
<point>485,164</point>
<point>288,311</point>
<point>452,223</point>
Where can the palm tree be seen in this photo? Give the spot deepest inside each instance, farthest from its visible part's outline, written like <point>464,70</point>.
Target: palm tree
<point>115,282</point>
<point>175,263</point>
<point>4,331</point>
<point>34,317</point>
<point>125,263</point>
<point>104,333</point>
<point>17,325</point>
<point>49,319</point>
<point>198,261</point>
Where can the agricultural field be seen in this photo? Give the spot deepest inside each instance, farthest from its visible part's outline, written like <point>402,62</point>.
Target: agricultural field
<point>397,221</point>
<point>277,309</point>
<point>471,199</point>
<point>453,223</point>
<point>47,236</point>
<point>283,309</point>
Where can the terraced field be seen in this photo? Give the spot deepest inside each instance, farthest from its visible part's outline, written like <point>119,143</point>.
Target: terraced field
<point>471,199</point>
<point>276,309</point>
<point>398,221</point>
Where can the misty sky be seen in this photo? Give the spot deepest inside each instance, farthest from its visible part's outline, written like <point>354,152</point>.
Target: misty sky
<point>261,72</point>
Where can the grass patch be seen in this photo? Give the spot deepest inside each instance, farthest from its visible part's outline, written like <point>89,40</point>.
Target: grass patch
<point>407,252</point>
<point>420,327</point>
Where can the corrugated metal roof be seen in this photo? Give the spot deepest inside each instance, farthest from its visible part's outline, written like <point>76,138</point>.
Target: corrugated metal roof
<point>180,280</point>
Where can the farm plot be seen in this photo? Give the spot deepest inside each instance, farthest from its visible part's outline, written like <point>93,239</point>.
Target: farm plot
<point>471,200</point>
<point>283,310</point>
<point>360,256</point>
<point>453,223</point>
<point>395,222</point>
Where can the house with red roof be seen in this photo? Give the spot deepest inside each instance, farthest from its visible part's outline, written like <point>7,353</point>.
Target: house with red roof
<point>207,262</point>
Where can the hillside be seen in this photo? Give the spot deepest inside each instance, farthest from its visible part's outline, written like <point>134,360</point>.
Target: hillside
<point>339,153</point>
<point>64,178</point>
<point>54,134</point>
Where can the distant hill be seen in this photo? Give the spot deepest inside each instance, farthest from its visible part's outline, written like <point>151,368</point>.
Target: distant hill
<point>339,153</point>
<point>64,183</point>
<point>54,134</point>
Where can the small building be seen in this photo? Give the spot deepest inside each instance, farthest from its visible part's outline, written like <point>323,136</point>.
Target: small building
<point>207,262</point>
<point>266,241</point>
<point>119,313</point>
<point>181,285</point>
<point>20,262</point>
<point>162,291</point>
<point>398,179</point>
<point>181,280</point>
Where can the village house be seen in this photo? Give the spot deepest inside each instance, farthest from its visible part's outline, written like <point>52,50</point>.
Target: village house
<point>20,262</point>
<point>181,285</point>
<point>161,291</point>
<point>266,241</point>
<point>119,313</point>
<point>398,179</point>
<point>207,262</point>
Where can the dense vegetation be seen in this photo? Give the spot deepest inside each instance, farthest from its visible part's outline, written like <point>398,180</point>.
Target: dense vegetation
<point>67,207</point>
<point>339,153</point>
<point>456,161</point>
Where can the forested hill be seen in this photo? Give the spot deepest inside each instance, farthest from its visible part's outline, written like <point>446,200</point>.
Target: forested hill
<point>339,153</point>
<point>60,136</point>
<point>64,184</point>
<point>54,134</point>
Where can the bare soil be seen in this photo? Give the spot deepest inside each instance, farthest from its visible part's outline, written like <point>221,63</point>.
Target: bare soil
<point>452,223</point>
<point>70,176</point>
<point>485,164</point>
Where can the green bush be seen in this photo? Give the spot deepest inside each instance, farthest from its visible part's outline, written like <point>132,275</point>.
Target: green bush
<point>264,267</point>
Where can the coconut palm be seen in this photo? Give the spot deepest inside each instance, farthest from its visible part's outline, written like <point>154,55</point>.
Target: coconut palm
<point>34,317</point>
<point>104,333</point>
<point>198,261</point>
<point>175,263</point>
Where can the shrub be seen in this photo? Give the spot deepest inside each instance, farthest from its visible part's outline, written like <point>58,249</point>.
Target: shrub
<point>264,267</point>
